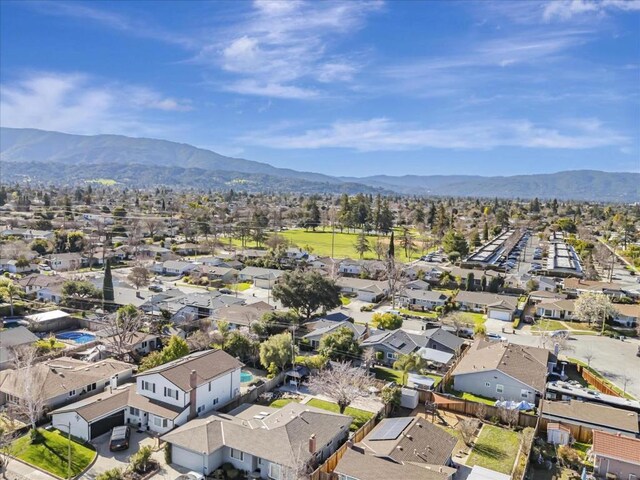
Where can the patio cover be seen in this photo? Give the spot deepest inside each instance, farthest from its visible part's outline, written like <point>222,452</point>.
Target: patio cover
<point>436,356</point>
<point>442,400</point>
<point>421,380</point>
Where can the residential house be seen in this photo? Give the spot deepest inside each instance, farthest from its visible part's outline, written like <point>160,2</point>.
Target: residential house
<point>590,416</point>
<point>577,286</point>
<point>63,262</point>
<point>627,315</point>
<point>366,290</point>
<point>417,285</point>
<point>155,252</point>
<point>564,391</point>
<point>12,338</point>
<point>408,448</point>
<point>266,442</point>
<point>393,343</point>
<point>558,309</point>
<point>193,306</point>
<point>32,284</point>
<point>503,371</point>
<point>615,456</point>
<point>359,268</point>
<point>326,327</point>
<point>11,266</point>
<point>27,234</point>
<point>542,296</point>
<point>173,267</point>
<point>137,344</point>
<point>238,316</point>
<point>161,399</point>
<point>261,277</point>
<point>217,274</point>
<point>421,299</point>
<point>64,380</point>
<point>52,293</point>
<point>498,307</point>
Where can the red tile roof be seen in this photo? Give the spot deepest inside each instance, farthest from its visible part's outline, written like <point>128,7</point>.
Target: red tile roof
<point>616,446</point>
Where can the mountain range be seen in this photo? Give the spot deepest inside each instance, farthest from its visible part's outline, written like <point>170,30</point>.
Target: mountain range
<point>61,158</point>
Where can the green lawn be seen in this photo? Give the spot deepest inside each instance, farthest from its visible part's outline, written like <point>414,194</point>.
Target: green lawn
<point>496,449</point>
<point>240,287</point>
<point>281,402</point>
<point>360,417</point>
<point>345,300</point>
<point>475,318</point>
<point>343,243</point>
<point>390,375</point>
<point>51,453</point>
<point>471,397</point>
<point>548,325</point>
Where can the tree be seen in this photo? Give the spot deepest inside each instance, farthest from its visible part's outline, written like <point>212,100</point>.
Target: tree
<point>339,345</point>
<point>139,276</point>
<point>391,395</point>
<point>386,321</point>
<point>479,330</point>
<point>455,242</point>
<point>240,344</point>
<point>341,382</point>
<point>122,326</point>
<point>409,363</point>
<point>306,292</point>
<point>362,244</point>
<point>108,294</point>
<point>470,283</point>
<point>40,245</point>
<point>593,308</point>
<point>141,460</point>
<point>29,380</point>
<point>457,320</point>
<point>406,241</point>
<point>467,429</point>
<point>278,350</point>
<point>9,291</point>
<point>176,348</point>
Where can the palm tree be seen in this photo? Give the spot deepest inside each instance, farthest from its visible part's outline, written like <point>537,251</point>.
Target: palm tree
<point>11,290</point>
<point>408,363</point>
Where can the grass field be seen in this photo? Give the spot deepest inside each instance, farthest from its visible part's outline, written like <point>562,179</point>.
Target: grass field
<point>496,449</point>
<point>475,318</point>
<point>343,246</point>
<point>360,417</point>
<point>50,453</point>
<point>345,300</point>
<point>471,397</point>
<point>240,287</point>
<point>392,375</point>
<point>417,313</point>
<point>547,325</point>
<point>281,402</point>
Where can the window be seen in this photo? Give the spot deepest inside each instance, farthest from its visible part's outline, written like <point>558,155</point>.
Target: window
<point>487,384</point>
<point>499,388</point>
<point>160,422</point>
<point>144,344</point>
<point>150,387</point>
<point>170,392</point>
<point>215,401</point>
<point>91,387</point>
<point>12,398</point>
<point>134,411</point>
<point>237,454</point>
<point>72,393</point>
<point>392,355</point>
<point>524,393</point>
<point>346,477</point>
<point>210,385</point>
<point>274,471</point>
<point>200,409</point>
<point>259,461</point>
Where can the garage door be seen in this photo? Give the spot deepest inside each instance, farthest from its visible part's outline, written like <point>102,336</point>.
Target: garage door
<point>500,315</point>
<point>187,459</point>
<point>106,424</point>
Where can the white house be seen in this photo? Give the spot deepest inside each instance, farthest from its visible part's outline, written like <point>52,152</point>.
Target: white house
<point>161,399</point>
<point>366,290</point>
<point>421,299</point>
<point>499,307</point>
<point>558,309</point>
<point>264,441</point>
<point>63,262</point>
<point>173,267</point>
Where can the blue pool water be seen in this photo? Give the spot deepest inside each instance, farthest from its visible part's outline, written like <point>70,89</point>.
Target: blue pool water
<point>246,377</point>
<point>77,337</point>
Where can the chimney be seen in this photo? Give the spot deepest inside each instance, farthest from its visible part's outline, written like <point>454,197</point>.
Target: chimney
<point>367,332</point>
<point>193,383</point>
<point>312,443</point>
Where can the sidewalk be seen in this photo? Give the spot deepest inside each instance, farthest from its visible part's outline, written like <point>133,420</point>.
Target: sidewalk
<point>16,470</point>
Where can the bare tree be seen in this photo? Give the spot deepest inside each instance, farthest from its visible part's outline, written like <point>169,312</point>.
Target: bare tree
<point>467,429</point>
<point>139,276</point>
<point>341,382</point>
<point>153,225</point>
<point>199,340</point>
<point>508,415</point>
<point>625,378</point>
<point>8,433</point>
<point>589,355</point>
<point>368,356</point>
<point>122,327</point>
<point>28,382</point>
<point>481,411</point>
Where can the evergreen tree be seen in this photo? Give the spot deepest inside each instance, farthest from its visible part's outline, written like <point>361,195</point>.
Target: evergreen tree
<point>108,294</point>
<point>362,244</point>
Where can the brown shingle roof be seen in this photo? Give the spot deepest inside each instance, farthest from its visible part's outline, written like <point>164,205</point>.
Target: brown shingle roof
<point>591,414</point>
<point>359,465</point>
<point>208,365</point>
<point>616,446</point>
<point>526,364</point>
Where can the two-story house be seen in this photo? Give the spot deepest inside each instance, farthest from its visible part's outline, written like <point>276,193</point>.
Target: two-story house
<point>162,398</point>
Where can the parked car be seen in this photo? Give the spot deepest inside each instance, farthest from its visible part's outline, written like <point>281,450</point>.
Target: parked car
<point>494,337</point>
<point>528,319</point>
<point>119,438</point>
<point>155,288</point>
<point>560,334</point>
<point>226,291</point>
<point>191,476</point>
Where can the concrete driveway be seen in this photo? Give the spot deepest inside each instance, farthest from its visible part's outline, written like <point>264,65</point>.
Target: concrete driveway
<point>107,459</point>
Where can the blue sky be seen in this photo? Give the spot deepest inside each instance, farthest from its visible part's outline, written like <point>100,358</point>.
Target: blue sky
<point>344,88</point>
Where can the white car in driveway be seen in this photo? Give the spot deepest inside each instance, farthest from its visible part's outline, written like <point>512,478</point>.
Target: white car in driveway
<point>191,476</point>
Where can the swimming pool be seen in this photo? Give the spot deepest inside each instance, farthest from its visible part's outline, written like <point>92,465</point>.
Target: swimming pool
<point>77,337</point>
<point>246,377</point>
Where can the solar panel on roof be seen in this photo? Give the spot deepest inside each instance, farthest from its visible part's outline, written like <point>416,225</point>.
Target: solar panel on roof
<point>390,429</point>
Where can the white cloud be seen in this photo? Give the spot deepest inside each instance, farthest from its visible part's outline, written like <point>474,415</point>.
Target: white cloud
<point>75,103</point>
<point>567,9</point>
<point>381,134</point>
<point>284,47</point>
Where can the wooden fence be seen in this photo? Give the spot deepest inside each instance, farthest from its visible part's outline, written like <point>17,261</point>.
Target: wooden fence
<point>580,433</point>
<point>597,382</point>
<point>325,471</point>
<point>252,395</point>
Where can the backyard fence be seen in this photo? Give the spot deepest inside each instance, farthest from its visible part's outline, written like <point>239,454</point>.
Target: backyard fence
<point>252,395</point>
<point>325,471</point>
<point>597,382</point>
<point>580,433</point>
